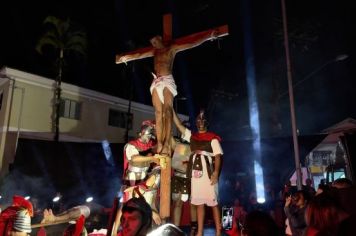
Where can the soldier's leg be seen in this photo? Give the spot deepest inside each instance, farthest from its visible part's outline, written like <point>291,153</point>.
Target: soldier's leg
<point>200,216</point>
<point>217,219</point>
<point>193,220</point>
<point>177,211</point>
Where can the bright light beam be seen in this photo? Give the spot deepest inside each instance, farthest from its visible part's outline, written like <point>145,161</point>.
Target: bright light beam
<point>260,189</point>
<point>252,100</point>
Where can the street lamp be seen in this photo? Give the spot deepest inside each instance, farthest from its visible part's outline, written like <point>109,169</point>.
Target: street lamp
<point>89,199</point>
<point>57,198</point>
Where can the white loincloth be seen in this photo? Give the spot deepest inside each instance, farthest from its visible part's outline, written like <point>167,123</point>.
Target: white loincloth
<point>159,83</point>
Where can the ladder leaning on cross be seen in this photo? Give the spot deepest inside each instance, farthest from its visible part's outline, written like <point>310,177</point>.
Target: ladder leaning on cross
<point>179,44</point>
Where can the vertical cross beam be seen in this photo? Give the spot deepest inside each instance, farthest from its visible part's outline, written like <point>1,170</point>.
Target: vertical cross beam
<point>167,27</point>
<point>165,190</point>
<point>165,187</point>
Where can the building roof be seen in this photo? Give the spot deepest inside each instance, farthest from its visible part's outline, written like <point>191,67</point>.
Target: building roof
<point>347,124</point>
<point>335,131</point>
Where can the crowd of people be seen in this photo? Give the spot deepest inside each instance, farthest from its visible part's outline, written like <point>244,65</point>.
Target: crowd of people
<point>328,211</point>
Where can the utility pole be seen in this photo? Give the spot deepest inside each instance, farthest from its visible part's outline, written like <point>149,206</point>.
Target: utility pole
<point>291,98</point>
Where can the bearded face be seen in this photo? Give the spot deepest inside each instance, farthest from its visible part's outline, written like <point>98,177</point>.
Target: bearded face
<point>157,42</point>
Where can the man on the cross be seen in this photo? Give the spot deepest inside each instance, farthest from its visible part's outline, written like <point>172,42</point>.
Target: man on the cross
<point>163,87</point>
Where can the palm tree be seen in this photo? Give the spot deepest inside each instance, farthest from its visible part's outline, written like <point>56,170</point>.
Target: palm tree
<point>64,39</point>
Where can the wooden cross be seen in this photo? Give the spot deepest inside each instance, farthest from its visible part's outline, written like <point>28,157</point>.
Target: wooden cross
<point>165,187</point>
<point>167,37</point>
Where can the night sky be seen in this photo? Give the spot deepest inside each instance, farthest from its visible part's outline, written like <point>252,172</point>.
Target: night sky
<point>213,75</point>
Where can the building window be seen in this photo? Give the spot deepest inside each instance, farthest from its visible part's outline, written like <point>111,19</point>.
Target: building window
<point>70,109</point>
<point>120,119</point>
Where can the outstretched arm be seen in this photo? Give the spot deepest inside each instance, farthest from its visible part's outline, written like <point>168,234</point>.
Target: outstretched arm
<point>135,55</point>
<point>140,159</point>
<point>68,215</point>
<point>199,38</point>
<point>178,123</point>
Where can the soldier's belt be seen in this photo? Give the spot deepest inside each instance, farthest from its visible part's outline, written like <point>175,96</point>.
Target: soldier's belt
<point>179,174</point>
<point>204,153</point>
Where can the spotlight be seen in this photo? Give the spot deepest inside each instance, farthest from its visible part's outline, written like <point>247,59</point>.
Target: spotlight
<point>27,197</point>
<point>89,199</point>
<point>261,200</point>
<point>57,198</point>
<point>260,188</point>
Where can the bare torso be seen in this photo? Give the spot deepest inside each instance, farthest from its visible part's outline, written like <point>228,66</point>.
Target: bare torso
<point>163,61</point>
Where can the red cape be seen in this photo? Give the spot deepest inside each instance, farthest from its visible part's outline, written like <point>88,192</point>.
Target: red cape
<point>140,146</point>
<point>206,136</point>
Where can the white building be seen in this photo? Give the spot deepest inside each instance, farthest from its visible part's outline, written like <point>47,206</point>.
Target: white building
<point>27,111</point>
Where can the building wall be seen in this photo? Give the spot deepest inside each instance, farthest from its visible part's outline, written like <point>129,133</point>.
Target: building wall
<point>31,107</point>
<point>30,112</point>
<point>4,90</point>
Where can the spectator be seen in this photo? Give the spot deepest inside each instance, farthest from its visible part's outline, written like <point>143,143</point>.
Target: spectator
<point>259,223</point>
<point>288,190</point>
<point>253,205</point>
<point>322,187</point>
<point>294,209</point>
<point>308,187</point>
<point>136,219</point>
<point>16,219</point>
<point>323,216</point>
<point>342,183</point>
<point>288,231</point>
<point>240,192</point>
<point>239,212</point>
<point>345,194</point>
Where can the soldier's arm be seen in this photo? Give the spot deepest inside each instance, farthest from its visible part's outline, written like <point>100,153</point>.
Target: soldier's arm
<point>178,123</point>
<point>141,159</point>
